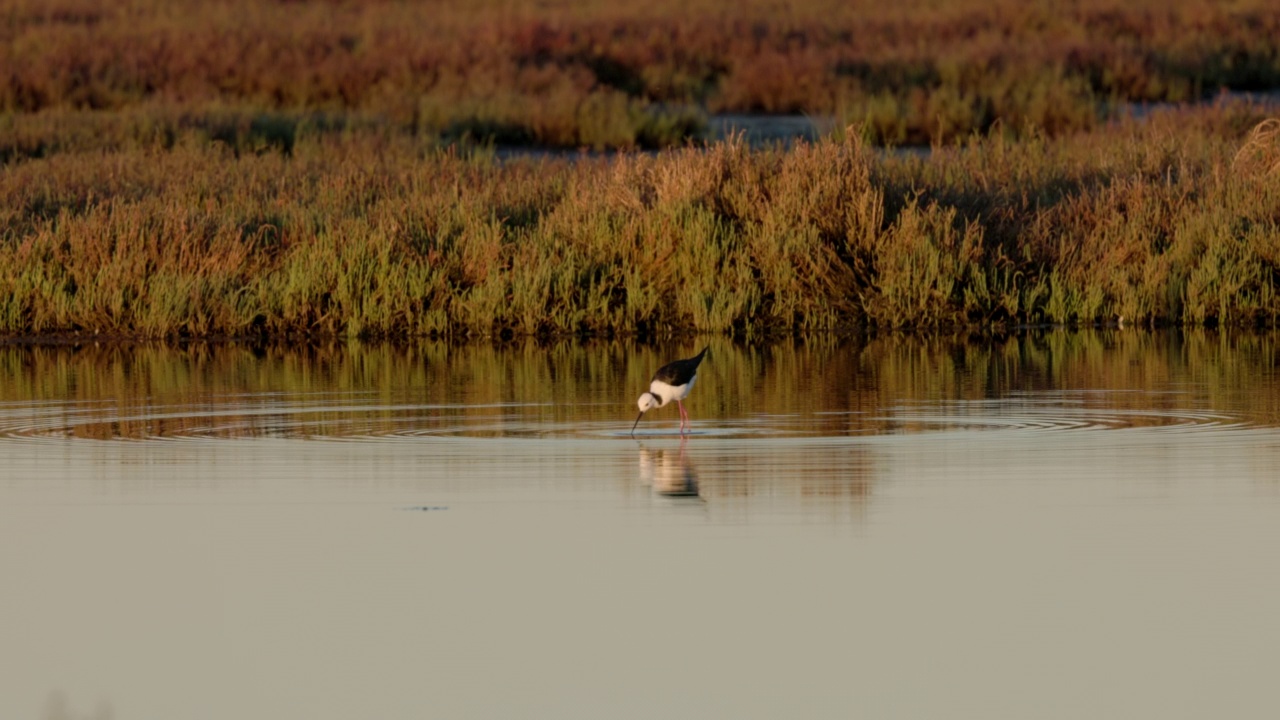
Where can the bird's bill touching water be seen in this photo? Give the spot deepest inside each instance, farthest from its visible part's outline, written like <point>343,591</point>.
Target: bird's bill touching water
<point>646,402</point>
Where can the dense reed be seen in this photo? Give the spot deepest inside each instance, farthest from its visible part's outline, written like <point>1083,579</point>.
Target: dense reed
<point>1175,219</point>
<point>599,73</point>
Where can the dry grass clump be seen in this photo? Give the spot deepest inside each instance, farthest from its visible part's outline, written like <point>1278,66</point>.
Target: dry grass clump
<point>1260,154</point>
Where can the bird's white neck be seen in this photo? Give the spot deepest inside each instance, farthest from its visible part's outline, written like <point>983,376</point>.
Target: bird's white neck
<point>659,400</point>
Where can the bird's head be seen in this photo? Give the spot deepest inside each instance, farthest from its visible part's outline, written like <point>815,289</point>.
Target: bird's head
<point>647,402</point>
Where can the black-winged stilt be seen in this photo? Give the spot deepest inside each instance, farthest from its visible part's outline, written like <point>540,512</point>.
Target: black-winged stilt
<point>673,381</point>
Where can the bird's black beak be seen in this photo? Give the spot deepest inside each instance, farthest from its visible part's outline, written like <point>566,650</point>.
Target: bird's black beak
<point>637,422</point>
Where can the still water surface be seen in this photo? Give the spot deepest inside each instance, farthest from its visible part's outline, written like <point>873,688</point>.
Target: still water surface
<point>1055,525</point>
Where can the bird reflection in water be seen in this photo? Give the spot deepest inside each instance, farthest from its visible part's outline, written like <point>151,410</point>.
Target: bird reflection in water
<point>668,472</point>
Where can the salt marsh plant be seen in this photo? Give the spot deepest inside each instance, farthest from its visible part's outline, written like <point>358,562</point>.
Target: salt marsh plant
<point>369,232</point>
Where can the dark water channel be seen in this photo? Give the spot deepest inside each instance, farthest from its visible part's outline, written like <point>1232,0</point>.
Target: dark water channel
<point>1060,524</point>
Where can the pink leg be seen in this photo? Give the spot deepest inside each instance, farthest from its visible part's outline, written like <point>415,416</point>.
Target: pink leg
<point>684,416</point>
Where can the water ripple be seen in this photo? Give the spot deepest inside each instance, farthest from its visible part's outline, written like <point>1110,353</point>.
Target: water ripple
<point>361,417</point>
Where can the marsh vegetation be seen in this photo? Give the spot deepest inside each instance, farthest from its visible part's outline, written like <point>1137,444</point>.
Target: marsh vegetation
<point>598,73</point>
<point>197,169</point>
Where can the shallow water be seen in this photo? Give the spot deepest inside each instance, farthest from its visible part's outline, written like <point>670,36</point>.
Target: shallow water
<point>1060,524</point>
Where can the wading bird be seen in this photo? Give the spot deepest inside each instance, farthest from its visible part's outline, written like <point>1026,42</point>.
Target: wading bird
<point>673,381</point>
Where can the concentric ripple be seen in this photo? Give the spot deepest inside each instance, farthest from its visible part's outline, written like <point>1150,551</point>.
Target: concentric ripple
<point>1060,412</point>
<point>368,417</point>
<point>328,415</point>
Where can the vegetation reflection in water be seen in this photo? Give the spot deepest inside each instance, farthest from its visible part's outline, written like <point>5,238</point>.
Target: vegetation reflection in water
<point>822,386</point>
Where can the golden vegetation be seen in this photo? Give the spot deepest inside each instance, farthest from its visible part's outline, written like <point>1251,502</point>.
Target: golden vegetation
<point>185,168</point>
<point>376,234</point>
<point>1260,154</point>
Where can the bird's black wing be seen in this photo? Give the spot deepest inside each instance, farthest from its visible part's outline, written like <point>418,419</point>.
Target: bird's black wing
<point>679,372</point>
